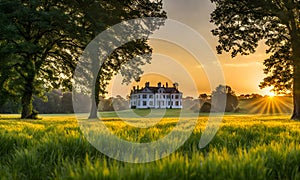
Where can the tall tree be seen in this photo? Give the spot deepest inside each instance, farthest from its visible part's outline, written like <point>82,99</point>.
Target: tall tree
<point>42,40</point>
<point>242,24</point>
<point>37,48</point>
<point>137,51</point>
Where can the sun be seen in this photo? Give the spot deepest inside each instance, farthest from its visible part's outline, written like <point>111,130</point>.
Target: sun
<point>271,94</point>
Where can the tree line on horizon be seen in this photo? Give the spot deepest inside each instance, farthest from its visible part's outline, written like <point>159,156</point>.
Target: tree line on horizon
<point>58,102</point>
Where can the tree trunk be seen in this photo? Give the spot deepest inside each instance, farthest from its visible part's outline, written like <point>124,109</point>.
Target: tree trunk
<point>296,76</point>
<point>95,99</point>
<point>26,101</point>
<point>296,111</point>
<point>296,92</point>
<point>94,110</point>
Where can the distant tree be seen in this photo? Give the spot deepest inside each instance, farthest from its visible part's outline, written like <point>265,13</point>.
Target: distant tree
<point>66,103</point>
<point>188,102</point>
<point>242,96</point>
<point>206,107</point>
<point>195,107</point>
<point>242,24</point>
<point>203,96</point>
<point>50,104</point>
<point>119,103</point>
<point>189,98</point>
<point>255,96</point>
<point>248,96</point>
<point>4,74</point>
<point>10,107</point>
<point>231,99</point>
<point>106,104</point>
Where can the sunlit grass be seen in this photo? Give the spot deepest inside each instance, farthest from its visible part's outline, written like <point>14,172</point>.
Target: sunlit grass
<point>245,147</point>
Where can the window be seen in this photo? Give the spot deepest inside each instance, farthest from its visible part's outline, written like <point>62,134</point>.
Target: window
<point>176,97</point>
<point>163,103</point>
<point>144,103</point>
<point>168,96</point>
<point>150,96</point>
<point>150,103</point>
<point>164,96</point>
<point>177,103</point>
<point>144,96</point>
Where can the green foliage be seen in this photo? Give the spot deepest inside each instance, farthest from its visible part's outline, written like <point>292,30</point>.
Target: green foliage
<point>41,41</point>
<point>37,48</point>
<point>241,25</point>
<point>246,147</point>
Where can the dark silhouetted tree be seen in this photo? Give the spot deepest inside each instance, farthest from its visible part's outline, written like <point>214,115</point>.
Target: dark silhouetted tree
<point>206,107</point>
<point>203,96</point>
<point>242,24</point>
<point>66,103</point>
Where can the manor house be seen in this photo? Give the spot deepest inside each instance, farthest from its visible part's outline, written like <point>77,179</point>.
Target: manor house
<point>156,97</point>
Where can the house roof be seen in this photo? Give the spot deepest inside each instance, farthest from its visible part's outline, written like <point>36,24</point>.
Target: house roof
<point>153,89</point>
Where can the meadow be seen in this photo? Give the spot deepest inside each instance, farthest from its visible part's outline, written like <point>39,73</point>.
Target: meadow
<point>245,147</point>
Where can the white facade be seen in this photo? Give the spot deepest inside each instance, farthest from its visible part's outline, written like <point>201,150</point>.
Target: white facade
<point>156,97</point>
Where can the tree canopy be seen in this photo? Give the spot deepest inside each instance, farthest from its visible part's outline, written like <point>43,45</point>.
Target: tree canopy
<point>242,24</point>
<point>41,41</point>
<point>221,92</point>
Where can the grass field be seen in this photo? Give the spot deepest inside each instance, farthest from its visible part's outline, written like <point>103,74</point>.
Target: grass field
<point>245,147</point>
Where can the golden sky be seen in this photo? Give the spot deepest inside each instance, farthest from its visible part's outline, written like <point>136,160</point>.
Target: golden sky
<point>172,63</point>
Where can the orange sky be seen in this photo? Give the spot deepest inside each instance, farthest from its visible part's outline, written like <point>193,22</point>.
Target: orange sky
<point>173,63</point>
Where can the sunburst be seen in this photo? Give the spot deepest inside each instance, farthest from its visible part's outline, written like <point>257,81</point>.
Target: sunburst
<point>271,94</point>
<point>270,104</point>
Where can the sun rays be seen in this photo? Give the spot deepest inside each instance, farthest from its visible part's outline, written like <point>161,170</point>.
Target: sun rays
<point>270,104</point>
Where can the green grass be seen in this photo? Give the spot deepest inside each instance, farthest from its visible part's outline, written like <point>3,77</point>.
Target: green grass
<point>245,147</point>
<point>148,112</point>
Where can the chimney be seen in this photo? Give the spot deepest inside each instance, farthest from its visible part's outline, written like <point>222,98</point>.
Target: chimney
<point>175,85</point>
<point>166,85</point>
<point>147,84</point>
<point>134,88</point>
<point>159,84</point>
<point>137,87</point>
